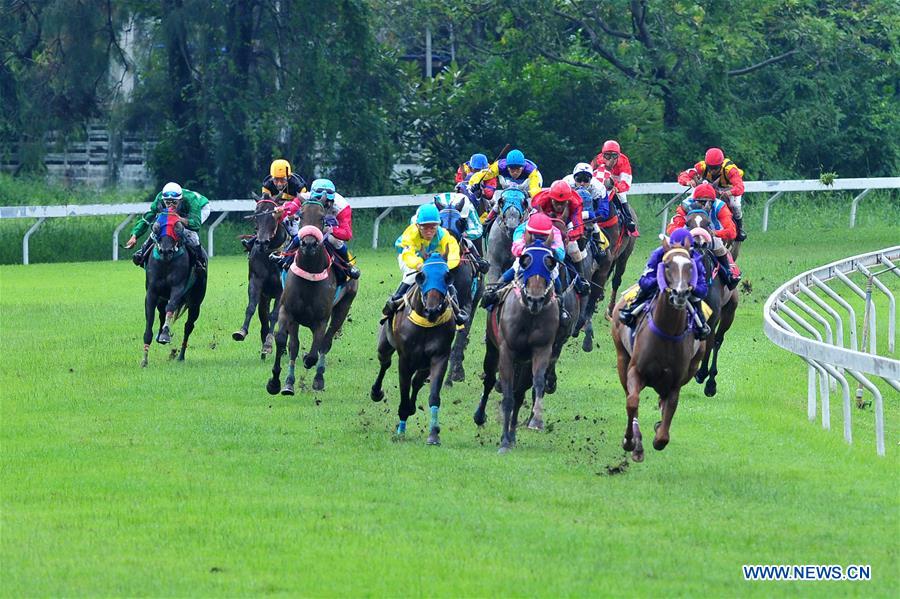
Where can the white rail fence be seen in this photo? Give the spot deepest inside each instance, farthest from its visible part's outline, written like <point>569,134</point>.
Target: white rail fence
<point>832,357</point>
<point>775,189</point>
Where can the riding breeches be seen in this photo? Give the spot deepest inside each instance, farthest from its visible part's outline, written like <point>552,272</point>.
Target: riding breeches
<point>735,205</point>
<point>718,246</point>
<point>190,238</point>
<point>574,252</point>
<point>409,274</point>
<point>334,241</point>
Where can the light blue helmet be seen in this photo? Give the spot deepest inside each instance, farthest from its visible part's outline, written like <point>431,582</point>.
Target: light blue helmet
<point>428,214</point>
<point>322,187</point>
<point>515,158</point>
<point>478,162</point>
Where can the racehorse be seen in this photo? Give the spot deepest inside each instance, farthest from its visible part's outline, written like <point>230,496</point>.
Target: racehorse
<point>513,207</point>
<point>171,284</point>
<point>662,352</point>
<point>521,333</point>
<point>468,282</point>
<point>722,301</point>
<point>421,333</point>
<point>264,276</point>
<point>312,298</point>
<point>616,259</point>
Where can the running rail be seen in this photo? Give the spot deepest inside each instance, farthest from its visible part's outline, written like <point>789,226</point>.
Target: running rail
<point>829,361</point>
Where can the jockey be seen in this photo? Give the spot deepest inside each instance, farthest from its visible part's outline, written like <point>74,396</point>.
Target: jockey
<point>281,185</point>
<point>474,229</point>
<point>613,169</point>
<point>561,203</point>
<point>418,241</point>
<point>704,198</point>
<point>727,179</point>
<point>511,172</point>
<point>538,228</point>
<point>338,223</point>
<point>477,163</point>
<point>649,286</point>
<point>594,198</point>
<point>193,209</point>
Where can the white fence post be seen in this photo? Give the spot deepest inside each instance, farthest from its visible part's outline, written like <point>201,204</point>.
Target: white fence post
<point>33,228</point>
<point>765,218</point>
<point>115,237</point>
<point>854,204</point>
<point>212,228</point>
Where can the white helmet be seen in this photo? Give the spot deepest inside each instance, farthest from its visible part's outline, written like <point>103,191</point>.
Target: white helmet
<point>582,167</point>
<point>171,191</point>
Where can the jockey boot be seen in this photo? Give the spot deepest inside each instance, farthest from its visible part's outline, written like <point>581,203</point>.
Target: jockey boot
<point>348,267</point>
<point>286,256</point>
<point>627,313</point>
<point>393,302</point>
<point>741,234</point>
<point>597,246</point>
<point>701,328</point>
<point>461,317</point>
<point>198,256</point>
<point>582,284</point>
<point>140,256</point>
<point>625,214</point>
<point>730,269</point>
<point>481,265</point>
<point>248,242</point>
<point>564,316</point>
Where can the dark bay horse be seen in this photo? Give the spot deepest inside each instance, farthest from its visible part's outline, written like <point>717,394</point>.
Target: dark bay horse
<point>264,276</point>
<point>469,284</point>
<point>512,209</point>
<point>722,301</point>
<point>171,284</point>
<point>662,353</point>
<point>311,298</point>
<point>521,333</point>
<point>621,245</point>
<point>421,333</point>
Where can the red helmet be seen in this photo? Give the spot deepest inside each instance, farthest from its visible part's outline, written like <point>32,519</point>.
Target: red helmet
<point>560,191</point>
<point>714,157</point>
<point>611,145</point>
<point>704,191</point>
<point>539,224</point>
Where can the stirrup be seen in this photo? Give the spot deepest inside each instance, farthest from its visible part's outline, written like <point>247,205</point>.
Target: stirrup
<point>353,272</point>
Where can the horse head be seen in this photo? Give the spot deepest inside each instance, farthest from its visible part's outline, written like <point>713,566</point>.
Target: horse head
<point>434,282</point>
<point>512,208</point>
<point>167,231</point>
<point>312,216</point>
<point>535,276</point>
<point>677,277</point>
<point>266,222</point>
<point>453,221</point>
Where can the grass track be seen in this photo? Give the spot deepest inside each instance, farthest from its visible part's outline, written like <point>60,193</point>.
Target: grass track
<point>188,479</point>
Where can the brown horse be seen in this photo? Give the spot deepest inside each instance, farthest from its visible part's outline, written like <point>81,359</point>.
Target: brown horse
<point>521,333</point>
<point>421,334</point>
<point>621,245</point>
<point>662,353</point>
<point>311,298</point>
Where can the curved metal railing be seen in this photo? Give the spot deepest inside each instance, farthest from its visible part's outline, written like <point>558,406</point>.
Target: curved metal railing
<point>829,359</point>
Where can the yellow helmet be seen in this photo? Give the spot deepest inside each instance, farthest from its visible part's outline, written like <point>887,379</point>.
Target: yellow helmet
<point>280,169</point>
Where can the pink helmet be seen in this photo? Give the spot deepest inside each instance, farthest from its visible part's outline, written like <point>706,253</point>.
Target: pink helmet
<point>539,224</point>
<point>701,234</point>
<point>611,145</point>
<point>714,157</point>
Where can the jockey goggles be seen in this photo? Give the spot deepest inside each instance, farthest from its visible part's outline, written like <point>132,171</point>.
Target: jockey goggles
<point>318,192</point>
<point>610,155</point>
<point>171,195</point>
<point>582,177</point>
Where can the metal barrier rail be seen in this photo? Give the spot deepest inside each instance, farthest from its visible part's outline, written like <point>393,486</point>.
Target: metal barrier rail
<point>828,358</point>
<point>388,203</point>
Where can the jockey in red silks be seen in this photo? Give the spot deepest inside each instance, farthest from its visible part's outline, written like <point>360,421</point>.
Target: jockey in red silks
<point>338,222</point>
<point>704,199</point>
<point>613,169</point>
<point>727,179</point>
<point>562,203</point>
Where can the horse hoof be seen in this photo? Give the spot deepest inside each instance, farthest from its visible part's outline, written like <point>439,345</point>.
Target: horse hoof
<point>144,363</point>
<point>710,389</point>
<point>376,394</point>
<point>638,456</point>
<point>272,386</point>
<point>588,344</point>
<point>700,377</point>
<point>448,382</point>
<point>628,444</point>
<point>504,449</point>
<point>270,341</point>
<point>180,358</point>
<point>434,438</point>
<point>318,383</point>
<point>536,424</point>
<point>309,361</point>
<point>479,417</point>
<point>287,390</point>
<point>550,386</point>
<point>163,338</point>
<point>239,335</point>
<point>659,444</point>
<point>458,376</point>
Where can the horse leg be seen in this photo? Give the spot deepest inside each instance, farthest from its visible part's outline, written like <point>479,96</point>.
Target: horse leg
<point>491,359</point>
<point>192,316</point>
<point>264,329</point>
<point>273,320</point>
<point>318,337</point>
<point>176,297</point>
<point>540,362</point>
<point>385,351</point>
<point>407,407</point>
<point>589,309</point>
<point>150,316</point>
<point>457,354</point>
<point>293,349</point>
<point>634,386</point>
<point>439,366</point>
<point>621,263</point>
<point>725,322</point>
<point>253,292</point>
<point>507,381</point>
<point>281,335</point>
<point>338,315</point>
<point>669,405</point>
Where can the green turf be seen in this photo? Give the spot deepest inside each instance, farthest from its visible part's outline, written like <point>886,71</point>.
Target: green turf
<point>188,479</point>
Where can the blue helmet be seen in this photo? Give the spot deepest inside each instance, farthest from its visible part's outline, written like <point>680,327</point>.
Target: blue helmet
<point>515,158</point>
<point>428,214</point>
<point>478,162</point>
<point>322,187</point>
